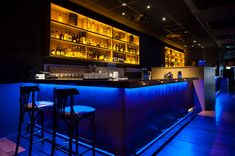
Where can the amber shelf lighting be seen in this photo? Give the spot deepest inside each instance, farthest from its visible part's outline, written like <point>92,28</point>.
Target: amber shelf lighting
<point>80,37</point>
<point>174,58</point>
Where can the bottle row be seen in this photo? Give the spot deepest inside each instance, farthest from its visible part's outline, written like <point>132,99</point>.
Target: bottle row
<point>174,64</point>
<point>81,38</point>
<point>96,54</point>
<point>124,58</point>
<point>98,28</point>
<point>76,35</point>
<point>173,58</point>
<point>75,51</point>
<point>92,54</point>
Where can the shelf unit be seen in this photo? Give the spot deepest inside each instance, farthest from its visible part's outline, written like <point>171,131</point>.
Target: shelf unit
<point>79,37</point>
<point>174,58</point>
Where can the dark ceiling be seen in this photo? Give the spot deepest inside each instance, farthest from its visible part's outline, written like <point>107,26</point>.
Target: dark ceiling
<point>208,22</point>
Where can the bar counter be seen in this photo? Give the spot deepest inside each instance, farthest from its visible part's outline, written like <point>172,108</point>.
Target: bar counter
<point>121,83</point>
<point>129,113</point>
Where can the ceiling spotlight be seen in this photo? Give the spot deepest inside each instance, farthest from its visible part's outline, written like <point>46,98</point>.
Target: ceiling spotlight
<point>163,18</point>
<point>194,41</point>
<point>199,44</point>
<point>123,13</point>
<point>185,46</point>
<point>202,46</point>
<point>185,31</point>
<point>192,45</point>
<point>123,4</point>
<point>148,6</point>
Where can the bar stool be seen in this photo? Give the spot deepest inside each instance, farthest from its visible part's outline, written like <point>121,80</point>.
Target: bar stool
<point>33,109</point>
<point>65,109</point>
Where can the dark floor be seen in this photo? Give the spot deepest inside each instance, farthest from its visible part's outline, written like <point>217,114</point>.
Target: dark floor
<point>210,133</point>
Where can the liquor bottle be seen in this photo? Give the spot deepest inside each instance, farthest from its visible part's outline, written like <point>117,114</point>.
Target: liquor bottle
<point>114,46</point>
<point>93,27</point>
<point>69,36</point>
<point>97,28</point>
<point>131,38</point>
<point>66,36</point>
<point>117,47</point>
<point>57,51</point>
<point>77,38</point>
<point>74,39</point>
<point>53,52</point>
<point>59,18</point>
<point>88,24</point>
<point>101,30</point>
<point>108,32</point>
<point>57,35</point>
<point>52,33</point>
<point>61,36</point>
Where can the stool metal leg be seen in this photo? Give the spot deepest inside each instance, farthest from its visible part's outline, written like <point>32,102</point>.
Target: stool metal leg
<point>42,127</point>
<point>19,132</point>
<point>76,129</point>
<point>71,137</point>
<point>31,133</point>
<point>54,136</point>
<point>94,134</point>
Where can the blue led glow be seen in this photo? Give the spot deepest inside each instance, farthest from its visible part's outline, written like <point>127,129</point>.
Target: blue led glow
<point>9,107</point>
<point>89,95</point>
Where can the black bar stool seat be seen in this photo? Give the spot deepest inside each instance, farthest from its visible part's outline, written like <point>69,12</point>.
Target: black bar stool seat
<point>33,108</point>
<point>40,105</point>
<point>65,109</point>
<point>80,110</point>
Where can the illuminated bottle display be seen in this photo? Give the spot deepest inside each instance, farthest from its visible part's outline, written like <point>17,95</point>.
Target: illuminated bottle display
<point>173,58</point>
<point>77,36</point>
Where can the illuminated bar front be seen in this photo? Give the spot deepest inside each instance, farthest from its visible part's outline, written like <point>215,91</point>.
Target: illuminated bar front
<point>129,113</point>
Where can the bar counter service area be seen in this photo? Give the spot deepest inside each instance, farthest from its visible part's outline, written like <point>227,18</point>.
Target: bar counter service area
<point>101,87</point>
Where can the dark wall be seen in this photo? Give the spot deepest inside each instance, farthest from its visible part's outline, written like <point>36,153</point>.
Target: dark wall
<point>193,55</point>
<point>21,51</point>
<point>209,54</point>
<point>151,51</point>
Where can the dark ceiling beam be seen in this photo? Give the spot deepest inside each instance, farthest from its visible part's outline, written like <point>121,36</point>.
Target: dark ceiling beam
<point>203,23</point>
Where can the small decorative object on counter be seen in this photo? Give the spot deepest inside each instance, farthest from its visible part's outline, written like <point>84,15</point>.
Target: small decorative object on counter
<point>179,75</point>
<point>150,75</point>
<point>144,73</point>
<point>168,75</point>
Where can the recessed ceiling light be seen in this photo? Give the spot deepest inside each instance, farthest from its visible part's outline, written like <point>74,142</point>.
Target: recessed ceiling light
<point>194,41</point>
<point>148,6</point>
<point>163,18</point>
<point>199,44</point>
<point>185,31</point>
<point>123,4</point>
<point>185,46</point>
<point>192,45</point>
<point>123,13</point>
<point>202,46</point>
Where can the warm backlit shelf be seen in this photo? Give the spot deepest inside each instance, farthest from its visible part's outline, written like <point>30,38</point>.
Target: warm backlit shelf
<point>174,58</point>
<point>116,40</point>
<point>80,44</point>
<point>75,35</point>
<point>81,29</point>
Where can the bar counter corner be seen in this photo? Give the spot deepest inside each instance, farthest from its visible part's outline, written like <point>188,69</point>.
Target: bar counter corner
<point>129,113</point>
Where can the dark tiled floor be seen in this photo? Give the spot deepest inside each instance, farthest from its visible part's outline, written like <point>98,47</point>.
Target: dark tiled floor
<point>209,134</point>
<point>40,149</point>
